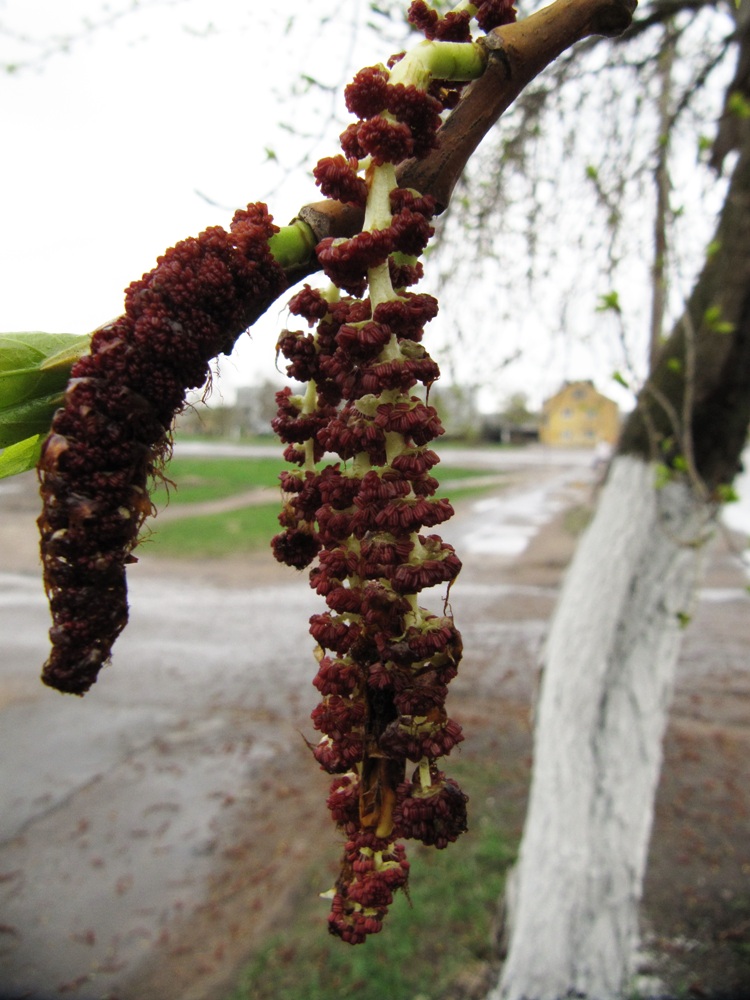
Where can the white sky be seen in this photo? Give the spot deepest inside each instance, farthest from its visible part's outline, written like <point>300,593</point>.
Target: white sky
<point>106,146</point>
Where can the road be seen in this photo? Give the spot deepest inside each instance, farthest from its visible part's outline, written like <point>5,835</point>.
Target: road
<point>174,783</point>
<point>115,807</point>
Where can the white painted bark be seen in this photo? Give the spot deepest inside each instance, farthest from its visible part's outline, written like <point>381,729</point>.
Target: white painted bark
<point>608,669</point>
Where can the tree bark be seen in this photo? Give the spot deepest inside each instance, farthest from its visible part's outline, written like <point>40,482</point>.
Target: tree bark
<point>608,673</point>
<point>516,54</point>
<point>609,661</point>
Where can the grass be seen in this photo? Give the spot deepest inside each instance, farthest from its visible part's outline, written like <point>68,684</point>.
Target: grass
<point>423,946</point>
<point>577,519</point>
<point>247,529</point>
<point>212,536</point>
<point>197,480</point>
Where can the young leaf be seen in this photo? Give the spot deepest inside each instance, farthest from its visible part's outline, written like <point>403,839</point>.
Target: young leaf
<point>21,457</point>
<point>662,475</point>
<point>34,371</point>
<point>727,493</point>
<point>34,416</point>
<point>714,322</point>
<point>738,105</point>
<point>610,301</point>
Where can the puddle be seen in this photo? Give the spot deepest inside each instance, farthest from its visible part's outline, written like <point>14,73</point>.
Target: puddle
<point>116,806</point>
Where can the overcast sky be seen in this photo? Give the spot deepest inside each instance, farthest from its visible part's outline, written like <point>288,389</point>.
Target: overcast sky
<point>150,129</point>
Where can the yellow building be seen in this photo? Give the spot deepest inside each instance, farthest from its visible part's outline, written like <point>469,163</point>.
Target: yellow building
<point>579,417</point>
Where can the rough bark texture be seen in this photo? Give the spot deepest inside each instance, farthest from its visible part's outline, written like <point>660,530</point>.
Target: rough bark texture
<point>610,658</point>
<point>606,688</point>
<point>708,357</point>
<point>517,53</point>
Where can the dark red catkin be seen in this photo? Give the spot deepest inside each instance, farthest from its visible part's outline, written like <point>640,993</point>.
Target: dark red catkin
<point>112,434</point>
<point>384,661</point>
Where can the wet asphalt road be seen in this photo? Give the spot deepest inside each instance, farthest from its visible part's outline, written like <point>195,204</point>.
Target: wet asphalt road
<point>114,807</point>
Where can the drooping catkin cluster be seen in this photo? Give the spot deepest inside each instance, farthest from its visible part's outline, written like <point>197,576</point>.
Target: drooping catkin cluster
<point>364,521</point>
<point>113,431</point>
<point>455,25</point>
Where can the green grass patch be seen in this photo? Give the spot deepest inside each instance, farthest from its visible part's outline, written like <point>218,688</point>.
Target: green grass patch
<point>197,480</point>
<point>577,519</point>
<point>424,944</point>
<point>212,536</point>
<point>204,479</point>
<point>454,494</point>
<point>446,472</point>
<point>201,479</point>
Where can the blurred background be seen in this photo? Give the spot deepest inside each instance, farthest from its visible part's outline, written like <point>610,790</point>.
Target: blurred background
<point>167,836</point>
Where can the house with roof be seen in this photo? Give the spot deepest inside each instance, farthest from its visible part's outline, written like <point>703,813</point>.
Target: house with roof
<point>578,416</point>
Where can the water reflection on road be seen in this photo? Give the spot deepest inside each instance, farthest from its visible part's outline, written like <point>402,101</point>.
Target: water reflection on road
<point>113,805</point>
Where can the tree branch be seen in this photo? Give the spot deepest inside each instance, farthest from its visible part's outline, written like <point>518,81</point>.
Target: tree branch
<point>517,54</point>
<point>661,13</point>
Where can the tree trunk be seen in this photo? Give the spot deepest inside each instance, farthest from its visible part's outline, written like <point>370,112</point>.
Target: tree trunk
<point>609,661</point>
<point>608,674</point>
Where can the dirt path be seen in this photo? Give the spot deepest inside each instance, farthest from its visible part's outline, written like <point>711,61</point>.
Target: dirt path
<point>697,899</point>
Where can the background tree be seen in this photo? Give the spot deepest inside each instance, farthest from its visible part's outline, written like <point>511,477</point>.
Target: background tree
<point>563,202</point>
<point>608,666</point>
<point>678,459</point>
<point>516,408</point>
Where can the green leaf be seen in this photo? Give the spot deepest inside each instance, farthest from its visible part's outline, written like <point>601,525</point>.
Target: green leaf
<point>609,301</point>
<point>28,418</point>
<point>662,475</point>
<point>21,457</point>
<point>620,379</point>
<point>727,493</point>
<point>714,322</point>
<point>738,105</point>
<point>683,619</point>
<point>667,444</point>
<point>674,365</point>
<point>34,371</point>
<point>712,315</point>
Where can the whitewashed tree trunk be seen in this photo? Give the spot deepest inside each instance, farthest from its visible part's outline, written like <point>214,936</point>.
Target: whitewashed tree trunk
<point>607,680</point>
<point>609,662</point>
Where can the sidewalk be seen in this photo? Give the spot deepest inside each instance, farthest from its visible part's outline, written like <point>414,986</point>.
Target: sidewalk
<point>157,830</point>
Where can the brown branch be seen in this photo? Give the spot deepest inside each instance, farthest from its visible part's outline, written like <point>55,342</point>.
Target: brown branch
<point>517,54</point>
<point>704,369</point>
<point>663,12</point>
